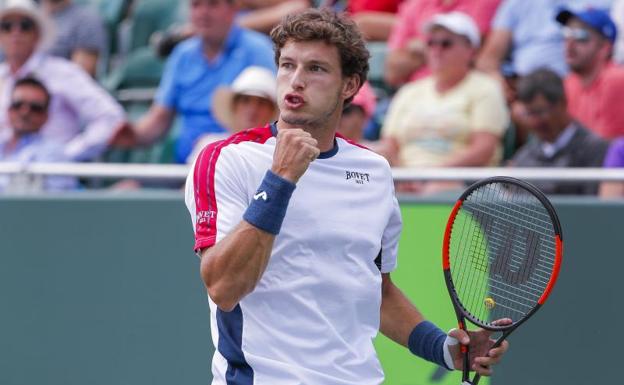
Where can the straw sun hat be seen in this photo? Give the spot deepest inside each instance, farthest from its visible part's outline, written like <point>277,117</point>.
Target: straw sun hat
<point>28,8</point>
<point>253,81</point>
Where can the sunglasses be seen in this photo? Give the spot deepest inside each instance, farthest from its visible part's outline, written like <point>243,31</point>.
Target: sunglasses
<point>24,25</point>
<point>442,43</point>
<point>576,34</point>
<point>37,108</point>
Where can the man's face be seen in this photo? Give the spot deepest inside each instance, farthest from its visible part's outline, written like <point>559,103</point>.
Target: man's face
<point>18,36</point>
<point>252,111</point>
<point>310,85</point>
<point>447,51</point>
<point>212,19</point>
<point>28,110</point>
<point>583,46</point>
<point>545,119</point>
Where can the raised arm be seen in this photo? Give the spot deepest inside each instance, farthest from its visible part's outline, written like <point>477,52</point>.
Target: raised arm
<point>233,267</point>
<point>494,51</point>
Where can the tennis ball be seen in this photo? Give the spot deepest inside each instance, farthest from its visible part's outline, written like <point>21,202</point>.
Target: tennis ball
<point>489,303</point>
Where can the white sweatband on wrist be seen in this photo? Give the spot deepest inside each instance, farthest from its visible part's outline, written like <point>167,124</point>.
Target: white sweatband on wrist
<point>448,359</point>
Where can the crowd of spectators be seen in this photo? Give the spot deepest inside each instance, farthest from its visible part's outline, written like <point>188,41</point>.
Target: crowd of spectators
<point>465,83</point>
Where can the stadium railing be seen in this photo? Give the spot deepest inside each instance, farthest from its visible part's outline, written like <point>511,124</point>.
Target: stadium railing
<point>179,172</point>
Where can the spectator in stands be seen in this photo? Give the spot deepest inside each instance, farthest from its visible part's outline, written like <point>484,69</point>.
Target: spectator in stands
<point>216,55</point>
<point>263,15</point>
<point>81,37</point>
<point>559,140</point>
<point>375,18</point>
<point>77,101</point>
<point>455,117</point>
<point>357,115</point>
<point>22,141</point>
<point>614,158</point>
<point>525,32</point>
<point>594,86</point>
<point>406,45</point>
<point>617,15</point>
<point>249,102</point>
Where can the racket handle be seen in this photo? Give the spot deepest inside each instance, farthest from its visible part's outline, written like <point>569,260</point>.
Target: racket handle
<point>476,379</point>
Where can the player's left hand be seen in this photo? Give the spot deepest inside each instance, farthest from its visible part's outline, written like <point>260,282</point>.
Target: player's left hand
<point>481,354</point>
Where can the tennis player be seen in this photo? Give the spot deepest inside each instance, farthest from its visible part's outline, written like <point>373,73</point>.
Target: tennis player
<point>297,229</point>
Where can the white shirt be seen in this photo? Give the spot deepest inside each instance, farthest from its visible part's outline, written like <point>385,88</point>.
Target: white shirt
<point>77,102</point>
<point>314,314</point>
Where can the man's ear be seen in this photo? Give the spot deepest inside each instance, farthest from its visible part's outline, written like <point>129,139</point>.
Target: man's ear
<point>351,87</point>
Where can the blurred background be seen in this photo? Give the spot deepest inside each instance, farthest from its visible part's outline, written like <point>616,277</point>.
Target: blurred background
<point>105,104</point>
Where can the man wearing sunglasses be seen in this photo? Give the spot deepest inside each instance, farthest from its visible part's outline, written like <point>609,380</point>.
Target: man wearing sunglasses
<point>594,85</point>
<point>82,114</point>
<point>22,141</point>
<point>217,53</point>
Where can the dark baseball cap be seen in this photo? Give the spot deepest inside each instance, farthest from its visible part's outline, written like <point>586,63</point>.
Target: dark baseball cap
<point>597,19</point>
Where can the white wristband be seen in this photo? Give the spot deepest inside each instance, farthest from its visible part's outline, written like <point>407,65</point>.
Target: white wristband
<point>448,359</point>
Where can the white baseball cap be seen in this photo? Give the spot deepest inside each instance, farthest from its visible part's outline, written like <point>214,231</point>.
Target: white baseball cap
<point>28,8</point>
<point>457,22</point>
<point>253,81</point>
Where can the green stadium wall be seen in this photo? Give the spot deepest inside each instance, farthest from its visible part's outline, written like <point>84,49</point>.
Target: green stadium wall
<point>104,290</point>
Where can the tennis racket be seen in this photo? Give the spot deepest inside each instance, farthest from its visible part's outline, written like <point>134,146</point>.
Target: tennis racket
<point>501,256</point>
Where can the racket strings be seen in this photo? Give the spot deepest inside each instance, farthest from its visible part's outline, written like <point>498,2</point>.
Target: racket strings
<point>501,252</point>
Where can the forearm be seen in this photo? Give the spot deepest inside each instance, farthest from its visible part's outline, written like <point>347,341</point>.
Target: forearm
<point>88,60</point>
<point>376,26</point>
<point>403,323</point>
<point>154,125</point>
<point>400,64</point>
<point>93,141</point>
<point>398,315</point>
<point>494,51</point>
<point>232,268</point>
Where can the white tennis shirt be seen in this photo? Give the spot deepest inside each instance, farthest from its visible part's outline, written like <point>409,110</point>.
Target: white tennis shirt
<point>314,314</point>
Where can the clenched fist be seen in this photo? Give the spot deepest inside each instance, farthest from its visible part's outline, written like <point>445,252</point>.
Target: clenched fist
<point>294,151</point>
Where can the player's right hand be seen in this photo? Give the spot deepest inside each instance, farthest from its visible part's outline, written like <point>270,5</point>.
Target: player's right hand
<point>294,151</point>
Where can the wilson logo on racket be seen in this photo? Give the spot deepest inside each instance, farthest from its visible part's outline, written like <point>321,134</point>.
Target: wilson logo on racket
<point>502,253</point>
<point>514,269</point>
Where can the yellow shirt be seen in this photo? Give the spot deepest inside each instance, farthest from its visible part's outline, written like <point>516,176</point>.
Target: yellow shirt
<point>432,126</point>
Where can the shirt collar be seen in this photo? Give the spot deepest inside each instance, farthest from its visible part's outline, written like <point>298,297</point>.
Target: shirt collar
<point>33,62</point>
<point>23,142</point>
<point>550,149</point>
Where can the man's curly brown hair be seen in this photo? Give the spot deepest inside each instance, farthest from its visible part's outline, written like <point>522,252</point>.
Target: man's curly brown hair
<point>334,29</point>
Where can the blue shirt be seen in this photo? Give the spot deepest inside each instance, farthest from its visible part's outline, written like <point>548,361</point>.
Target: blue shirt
<point>536,36</point>
<point>537,40</point>
<point>189,81</point>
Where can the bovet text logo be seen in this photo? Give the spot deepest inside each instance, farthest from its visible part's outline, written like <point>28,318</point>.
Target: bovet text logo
<point>205,216</point>
<point>358,177</point>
